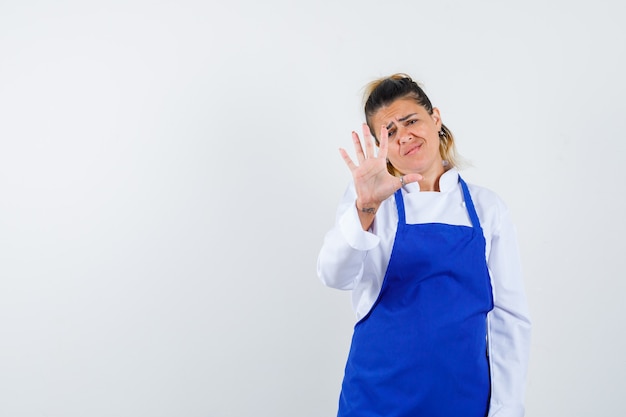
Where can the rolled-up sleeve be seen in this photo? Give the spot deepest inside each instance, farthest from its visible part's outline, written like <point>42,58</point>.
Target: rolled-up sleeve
<point>341,259</point>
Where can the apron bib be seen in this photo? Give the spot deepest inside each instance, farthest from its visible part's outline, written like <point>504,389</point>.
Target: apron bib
<point>422,349</point>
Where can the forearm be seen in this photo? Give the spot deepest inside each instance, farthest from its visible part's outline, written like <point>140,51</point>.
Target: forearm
<point>339,265</point>
<point>341,260</point>
<point>509,346</point>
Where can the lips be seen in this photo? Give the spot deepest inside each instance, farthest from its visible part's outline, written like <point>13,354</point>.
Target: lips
<point>413,149</point>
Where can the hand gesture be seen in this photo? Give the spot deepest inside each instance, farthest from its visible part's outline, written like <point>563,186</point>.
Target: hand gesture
<point>372,181</point>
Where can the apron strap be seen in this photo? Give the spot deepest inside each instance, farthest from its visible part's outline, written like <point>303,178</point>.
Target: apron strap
<point>400,206</point>
<point>469,204</point>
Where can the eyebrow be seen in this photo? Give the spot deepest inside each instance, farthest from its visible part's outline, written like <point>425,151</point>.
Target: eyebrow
<point>402,119</point>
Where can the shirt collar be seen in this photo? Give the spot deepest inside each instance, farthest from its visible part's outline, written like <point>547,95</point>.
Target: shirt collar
<point>447,182</point>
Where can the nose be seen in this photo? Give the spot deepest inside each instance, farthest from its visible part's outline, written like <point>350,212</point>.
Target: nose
<point>404,136</point>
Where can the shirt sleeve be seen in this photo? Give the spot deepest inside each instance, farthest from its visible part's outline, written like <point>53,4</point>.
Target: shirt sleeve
<point>508,323</point>
<point>341,258</point>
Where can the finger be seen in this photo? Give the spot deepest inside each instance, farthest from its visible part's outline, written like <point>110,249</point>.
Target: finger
<point>409,178</point>
<point>346,158</point>
<point>369,141</point>
<point>358,148</point>
<point>384,142</point>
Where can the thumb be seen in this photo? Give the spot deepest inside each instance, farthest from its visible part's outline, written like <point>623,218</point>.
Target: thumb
<point>409,178</point>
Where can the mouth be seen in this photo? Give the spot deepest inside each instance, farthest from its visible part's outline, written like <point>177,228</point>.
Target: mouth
<point>413,149</point>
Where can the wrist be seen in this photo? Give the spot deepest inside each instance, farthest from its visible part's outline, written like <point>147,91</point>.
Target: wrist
<point>367,208</point>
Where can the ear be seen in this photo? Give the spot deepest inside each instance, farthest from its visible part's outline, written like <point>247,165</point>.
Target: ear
<point>437,117</point>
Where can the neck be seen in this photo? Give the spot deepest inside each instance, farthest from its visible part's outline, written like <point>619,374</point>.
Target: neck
<point>430,183</point>
<point>430,180</point>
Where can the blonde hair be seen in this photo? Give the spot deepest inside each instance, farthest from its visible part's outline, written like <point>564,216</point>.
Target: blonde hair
<point>384,91</point>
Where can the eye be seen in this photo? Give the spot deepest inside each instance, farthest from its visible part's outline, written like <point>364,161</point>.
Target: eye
<point>390,133</point>
<point>412,121</point>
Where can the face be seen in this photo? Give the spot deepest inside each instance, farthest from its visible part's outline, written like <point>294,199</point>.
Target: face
<point>413,137</point>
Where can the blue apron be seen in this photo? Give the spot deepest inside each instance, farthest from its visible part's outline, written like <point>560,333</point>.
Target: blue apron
<point>421,351</point>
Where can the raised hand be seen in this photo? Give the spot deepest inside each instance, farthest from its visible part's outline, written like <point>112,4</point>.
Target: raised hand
<point>372,181</point>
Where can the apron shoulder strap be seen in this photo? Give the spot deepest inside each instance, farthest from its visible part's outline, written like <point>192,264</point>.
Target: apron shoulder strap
<point>469,204</point>
<point>400,207</point>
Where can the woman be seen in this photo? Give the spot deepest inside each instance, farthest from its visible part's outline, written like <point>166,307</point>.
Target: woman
<point>443,326</point>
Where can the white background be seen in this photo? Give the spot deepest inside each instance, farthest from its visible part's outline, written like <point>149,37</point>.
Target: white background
<point>168,170</point>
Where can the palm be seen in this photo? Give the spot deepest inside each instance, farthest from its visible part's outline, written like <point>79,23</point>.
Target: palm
<point>372,181</point>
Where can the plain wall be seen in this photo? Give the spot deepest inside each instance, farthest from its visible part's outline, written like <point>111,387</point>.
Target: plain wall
<point>168,170</point>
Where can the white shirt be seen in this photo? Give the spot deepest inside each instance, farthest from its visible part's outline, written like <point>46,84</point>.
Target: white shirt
<point>354,259</point>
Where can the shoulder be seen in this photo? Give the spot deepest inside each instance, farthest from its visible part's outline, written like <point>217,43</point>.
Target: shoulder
<point>485,196</point>
<point>490,207</point>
